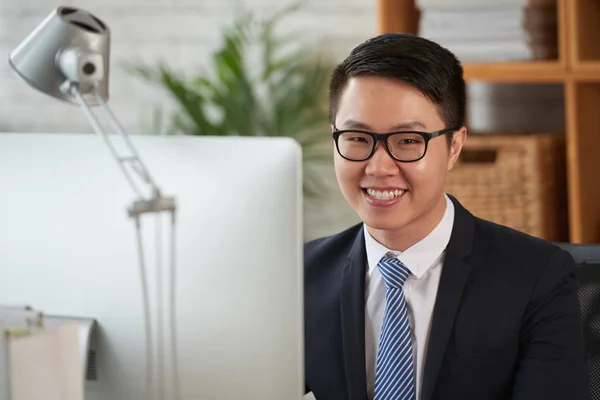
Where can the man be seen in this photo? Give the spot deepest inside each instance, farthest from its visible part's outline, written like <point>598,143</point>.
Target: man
<point>423,300</point>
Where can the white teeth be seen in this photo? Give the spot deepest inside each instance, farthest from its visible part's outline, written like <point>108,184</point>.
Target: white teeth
<point>385,195</point>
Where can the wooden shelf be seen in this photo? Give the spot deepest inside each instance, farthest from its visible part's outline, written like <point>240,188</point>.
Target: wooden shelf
<point>583,145</point>
<point>515,72</point>
<point>586,71</point>
<point>584,18</point>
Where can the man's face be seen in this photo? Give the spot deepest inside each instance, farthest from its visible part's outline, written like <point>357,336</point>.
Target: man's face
<point>386,194</point>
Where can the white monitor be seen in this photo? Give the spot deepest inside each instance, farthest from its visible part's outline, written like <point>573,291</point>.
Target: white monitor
<point>67,248</point>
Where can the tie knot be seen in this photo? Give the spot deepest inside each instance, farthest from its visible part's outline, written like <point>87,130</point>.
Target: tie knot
<point>394,273</point>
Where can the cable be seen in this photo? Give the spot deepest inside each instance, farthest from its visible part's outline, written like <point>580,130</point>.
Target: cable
<point>160,353</point>
<point>147,321</point>
<point>173,319</point>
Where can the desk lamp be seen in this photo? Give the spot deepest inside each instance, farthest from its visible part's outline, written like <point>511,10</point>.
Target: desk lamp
<point>67,57</point>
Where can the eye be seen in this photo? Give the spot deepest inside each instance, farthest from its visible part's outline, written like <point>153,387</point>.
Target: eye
<point>408,141</point>
<point>355,138</point>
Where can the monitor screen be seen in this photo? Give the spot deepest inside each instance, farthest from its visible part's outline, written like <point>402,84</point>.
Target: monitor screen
<point>69,249</point>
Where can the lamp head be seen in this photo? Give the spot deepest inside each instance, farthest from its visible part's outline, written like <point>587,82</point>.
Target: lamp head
<point>70,48</point>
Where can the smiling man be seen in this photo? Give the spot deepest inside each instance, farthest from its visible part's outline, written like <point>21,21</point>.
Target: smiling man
<point>423,300</point>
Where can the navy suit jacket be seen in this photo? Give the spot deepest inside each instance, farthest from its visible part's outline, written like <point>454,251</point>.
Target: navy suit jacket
<point>506,322</point>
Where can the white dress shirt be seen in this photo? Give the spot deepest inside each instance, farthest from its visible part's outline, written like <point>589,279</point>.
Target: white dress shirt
<point>424,260</point>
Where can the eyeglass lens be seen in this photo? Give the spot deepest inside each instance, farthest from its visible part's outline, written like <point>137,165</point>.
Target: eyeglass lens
<point>403,146</point>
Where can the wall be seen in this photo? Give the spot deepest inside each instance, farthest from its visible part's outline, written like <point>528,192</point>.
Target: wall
<point>183,32</point>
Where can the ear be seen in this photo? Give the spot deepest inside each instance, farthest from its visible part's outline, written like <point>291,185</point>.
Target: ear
<point>458,140</point>
<point>332,130</point>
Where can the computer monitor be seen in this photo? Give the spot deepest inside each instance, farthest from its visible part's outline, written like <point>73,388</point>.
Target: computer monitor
<point>68,248</point>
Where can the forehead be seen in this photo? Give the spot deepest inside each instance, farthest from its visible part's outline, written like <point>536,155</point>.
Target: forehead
<point>383,103</point>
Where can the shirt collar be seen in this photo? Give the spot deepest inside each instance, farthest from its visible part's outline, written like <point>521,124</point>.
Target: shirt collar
<point>422,255</point>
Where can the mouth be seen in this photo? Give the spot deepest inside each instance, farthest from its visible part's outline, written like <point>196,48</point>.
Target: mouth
<point>384,197</point>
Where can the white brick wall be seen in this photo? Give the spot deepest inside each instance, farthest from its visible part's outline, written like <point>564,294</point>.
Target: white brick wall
<point>185,31</point>
<point>181,31</point>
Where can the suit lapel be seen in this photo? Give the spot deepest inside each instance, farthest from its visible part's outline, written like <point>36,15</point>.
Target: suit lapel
<point>453,280</point>
<point>353,318</point>
<point>452,283</point>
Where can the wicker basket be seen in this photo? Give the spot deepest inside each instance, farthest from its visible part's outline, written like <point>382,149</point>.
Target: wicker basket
<point>517,180</point>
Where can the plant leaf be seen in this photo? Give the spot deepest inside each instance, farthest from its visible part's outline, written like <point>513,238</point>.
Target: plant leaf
<point>283,94</point>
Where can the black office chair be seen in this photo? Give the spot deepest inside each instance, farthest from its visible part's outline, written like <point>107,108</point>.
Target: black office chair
<point>587,258</point>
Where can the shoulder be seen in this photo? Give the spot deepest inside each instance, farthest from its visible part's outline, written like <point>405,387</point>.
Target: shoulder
<point>504,238</point>
<point>330,251</point>
<point>492,244</point>
<point>516,250</point>
<point>338,242</point>
<point>532,270</point>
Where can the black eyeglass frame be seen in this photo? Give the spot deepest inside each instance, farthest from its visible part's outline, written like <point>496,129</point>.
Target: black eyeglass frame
<point>427,136</point>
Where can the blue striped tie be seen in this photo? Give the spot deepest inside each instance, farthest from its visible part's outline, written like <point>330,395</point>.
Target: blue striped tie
<point>394,376</point>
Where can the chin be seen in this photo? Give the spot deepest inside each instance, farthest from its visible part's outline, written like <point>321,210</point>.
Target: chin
<point>384,222</point>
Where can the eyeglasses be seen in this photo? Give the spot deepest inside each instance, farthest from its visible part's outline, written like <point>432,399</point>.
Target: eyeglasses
<point>406,146</point>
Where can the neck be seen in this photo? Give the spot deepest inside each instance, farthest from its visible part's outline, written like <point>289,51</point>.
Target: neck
<point>403,238</point>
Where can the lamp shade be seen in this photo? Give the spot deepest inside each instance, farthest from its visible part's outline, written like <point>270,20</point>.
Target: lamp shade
<point>70,47</point>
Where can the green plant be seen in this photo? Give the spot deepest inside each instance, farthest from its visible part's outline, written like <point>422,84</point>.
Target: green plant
<point>284,94</point>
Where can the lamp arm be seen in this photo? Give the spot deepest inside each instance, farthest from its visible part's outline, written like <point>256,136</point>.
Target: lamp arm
<point>156,202</point>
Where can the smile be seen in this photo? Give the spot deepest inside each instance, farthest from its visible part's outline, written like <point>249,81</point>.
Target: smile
<point>385,194</point>
<point>384,198</point>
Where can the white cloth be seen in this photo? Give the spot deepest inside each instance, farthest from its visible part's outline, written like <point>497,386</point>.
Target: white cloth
<point>424,260</point>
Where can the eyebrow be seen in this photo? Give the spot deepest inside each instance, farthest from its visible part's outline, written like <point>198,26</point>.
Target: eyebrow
<point>408,125</point>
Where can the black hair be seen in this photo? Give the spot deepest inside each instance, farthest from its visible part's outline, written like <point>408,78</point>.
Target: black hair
<point>416,61</point>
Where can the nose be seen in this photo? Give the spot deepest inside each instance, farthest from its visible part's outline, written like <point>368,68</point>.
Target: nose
<point>381,164</point>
